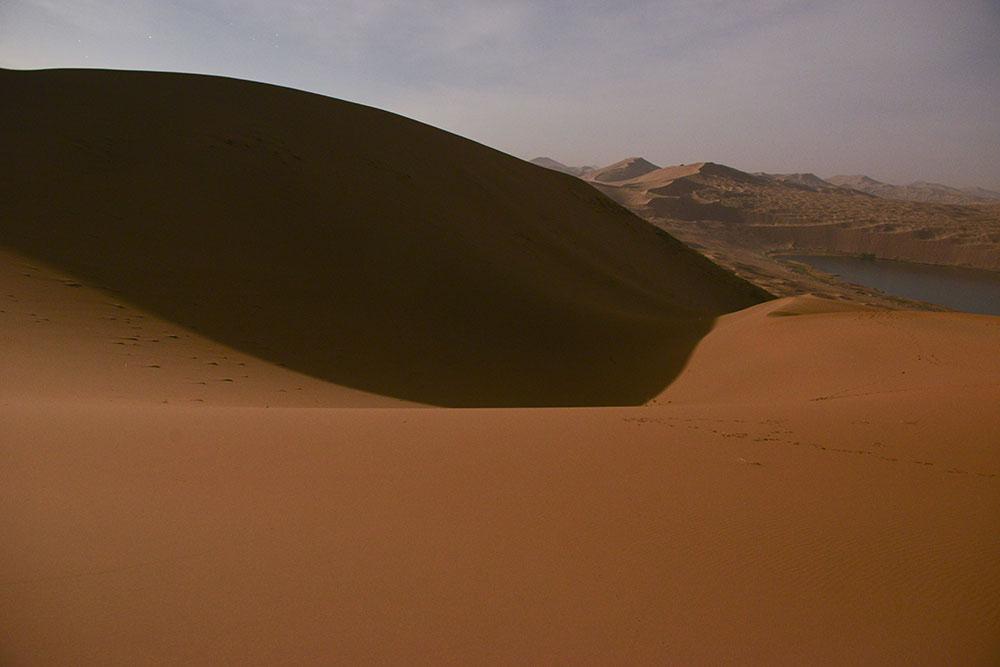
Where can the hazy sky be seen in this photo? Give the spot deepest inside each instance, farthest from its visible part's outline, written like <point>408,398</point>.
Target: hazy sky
<point>898,89</point>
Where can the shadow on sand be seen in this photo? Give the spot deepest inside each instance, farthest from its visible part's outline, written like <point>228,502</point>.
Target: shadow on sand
<point>347,243</point>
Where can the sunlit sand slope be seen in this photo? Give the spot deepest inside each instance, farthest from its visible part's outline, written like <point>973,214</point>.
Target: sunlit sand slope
<point>829,512</point>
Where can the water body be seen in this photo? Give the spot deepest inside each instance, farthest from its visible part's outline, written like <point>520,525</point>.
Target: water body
<point>969,290</point>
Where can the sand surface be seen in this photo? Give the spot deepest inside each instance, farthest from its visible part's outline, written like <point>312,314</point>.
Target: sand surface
<point>809,481</point>
<point>816,486</point>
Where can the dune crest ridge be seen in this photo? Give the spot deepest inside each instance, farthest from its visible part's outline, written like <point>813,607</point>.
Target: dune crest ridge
<point>631,167</point>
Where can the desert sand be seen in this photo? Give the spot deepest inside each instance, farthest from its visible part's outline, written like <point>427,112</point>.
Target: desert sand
<point>802,480</point>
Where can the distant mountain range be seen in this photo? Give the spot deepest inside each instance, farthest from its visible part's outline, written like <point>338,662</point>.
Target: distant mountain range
<point>919,191</point>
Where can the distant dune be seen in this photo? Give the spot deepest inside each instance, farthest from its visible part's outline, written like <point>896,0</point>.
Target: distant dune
<point>348,243</point>
<point>807,180</point>
<point>622,171</point>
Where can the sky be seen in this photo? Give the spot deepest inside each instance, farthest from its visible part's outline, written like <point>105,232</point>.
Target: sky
<point>900,90</point>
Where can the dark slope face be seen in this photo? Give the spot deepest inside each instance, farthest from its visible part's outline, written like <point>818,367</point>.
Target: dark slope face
<point>349,243</point>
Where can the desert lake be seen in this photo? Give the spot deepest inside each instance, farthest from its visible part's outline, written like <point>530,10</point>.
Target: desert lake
<point>969,290</point>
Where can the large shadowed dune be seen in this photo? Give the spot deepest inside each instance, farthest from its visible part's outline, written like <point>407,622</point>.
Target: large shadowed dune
<point>349,243</point>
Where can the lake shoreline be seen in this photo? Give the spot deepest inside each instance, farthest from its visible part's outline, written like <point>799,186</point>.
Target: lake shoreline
<point>957,288</point>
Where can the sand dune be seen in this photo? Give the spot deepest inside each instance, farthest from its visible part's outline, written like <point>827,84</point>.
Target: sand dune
<point>624,170</point>
<point>808,181</point>
<point>348,243</point>
<point>811,481</point>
